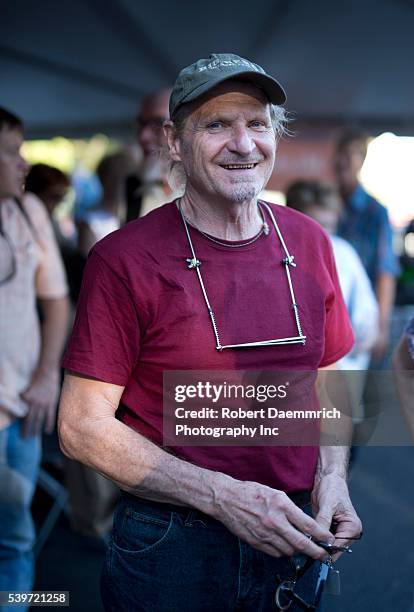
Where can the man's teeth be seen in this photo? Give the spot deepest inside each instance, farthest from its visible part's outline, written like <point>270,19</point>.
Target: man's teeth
<point>239,166</point>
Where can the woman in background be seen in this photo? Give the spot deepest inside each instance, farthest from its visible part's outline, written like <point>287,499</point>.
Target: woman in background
<point>109,214</point>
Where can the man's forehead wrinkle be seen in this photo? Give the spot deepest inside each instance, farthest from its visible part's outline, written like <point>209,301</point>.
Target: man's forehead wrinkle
<point>231,107</point>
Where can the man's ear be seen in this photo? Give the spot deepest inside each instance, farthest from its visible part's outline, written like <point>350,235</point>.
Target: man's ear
<point>173,141</point>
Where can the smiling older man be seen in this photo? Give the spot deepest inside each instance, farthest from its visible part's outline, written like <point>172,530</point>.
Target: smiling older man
<point>206,528</point>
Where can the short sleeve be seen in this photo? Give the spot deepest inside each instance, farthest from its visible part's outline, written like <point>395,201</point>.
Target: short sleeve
<point>50,276</point>
<point>339,337</point>
<point>105,339</point>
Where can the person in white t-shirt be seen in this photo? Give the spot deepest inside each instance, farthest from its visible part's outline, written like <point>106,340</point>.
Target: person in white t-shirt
<point>321,201</point>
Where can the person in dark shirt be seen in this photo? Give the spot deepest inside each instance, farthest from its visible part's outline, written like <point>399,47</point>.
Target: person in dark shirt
<point>365,224</point>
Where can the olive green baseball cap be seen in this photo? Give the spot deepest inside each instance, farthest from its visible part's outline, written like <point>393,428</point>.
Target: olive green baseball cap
<point>198,78</point>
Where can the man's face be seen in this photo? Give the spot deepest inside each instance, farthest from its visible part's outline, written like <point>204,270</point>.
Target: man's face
<point>348,163</point>
<point>326,217</point>
<point>151,116</point>
<point>228,144</point>
<point>13,168</point>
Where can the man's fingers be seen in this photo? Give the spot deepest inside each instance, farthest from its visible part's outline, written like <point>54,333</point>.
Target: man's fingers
<point>28,419</point>
<point>270,549</point>
<point>348,530</point>
<point>33,422</point>
<point>303,530</point>
<point>42,408</point>
<point>345,533</point>
<point>277,546</point>
<point>308,525</point>
<point>303,544</point>
<point>50,419</point>
<point>324,519</point>
<point>26,426</point>
<point>285,542</point>
<point>37,419</point>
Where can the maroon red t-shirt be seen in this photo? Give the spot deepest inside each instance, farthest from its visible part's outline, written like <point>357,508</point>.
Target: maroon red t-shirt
<point>141,312</point>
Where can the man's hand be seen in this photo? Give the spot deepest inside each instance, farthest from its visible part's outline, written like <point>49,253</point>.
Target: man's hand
<point>261,516</point>
<point>333,509</point>
<point>41,397</point>
<point>268,520</point>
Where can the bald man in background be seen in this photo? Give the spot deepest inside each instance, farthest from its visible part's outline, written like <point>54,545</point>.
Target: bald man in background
<point>149,188</point>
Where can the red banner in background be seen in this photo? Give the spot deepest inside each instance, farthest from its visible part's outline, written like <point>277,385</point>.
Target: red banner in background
<point>300,158</point>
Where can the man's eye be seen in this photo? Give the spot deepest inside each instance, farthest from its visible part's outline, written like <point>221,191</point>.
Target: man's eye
<point>215,125</point>
<point>258,124</point>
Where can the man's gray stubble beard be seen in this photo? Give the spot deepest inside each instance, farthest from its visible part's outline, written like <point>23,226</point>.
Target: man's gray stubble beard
<point>241,193</point>
<point>242,190</point>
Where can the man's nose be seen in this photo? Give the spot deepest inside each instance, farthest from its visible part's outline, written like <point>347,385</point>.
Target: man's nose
<point>146,134</point>
<point>241,141</point>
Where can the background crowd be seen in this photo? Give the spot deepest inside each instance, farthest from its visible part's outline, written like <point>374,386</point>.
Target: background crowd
<point>50,240</point>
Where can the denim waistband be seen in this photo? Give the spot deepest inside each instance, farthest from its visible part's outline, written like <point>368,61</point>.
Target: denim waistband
<point>164,510</point>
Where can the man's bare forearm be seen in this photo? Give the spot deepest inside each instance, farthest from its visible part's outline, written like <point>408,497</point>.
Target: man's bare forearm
<point>333,392</point>
<point>138,465</point>
<point>332,460</point>
<point>264,517</point>
<point>331,504</point>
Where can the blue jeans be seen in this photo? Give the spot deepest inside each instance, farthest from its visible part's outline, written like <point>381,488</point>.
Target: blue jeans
<point>163,558</point>
<point>19,466</point>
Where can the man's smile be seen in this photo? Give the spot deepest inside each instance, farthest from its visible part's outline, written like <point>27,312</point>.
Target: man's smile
<point>244,166</point>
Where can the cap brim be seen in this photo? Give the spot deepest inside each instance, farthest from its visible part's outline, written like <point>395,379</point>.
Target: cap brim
<point>273,90</point>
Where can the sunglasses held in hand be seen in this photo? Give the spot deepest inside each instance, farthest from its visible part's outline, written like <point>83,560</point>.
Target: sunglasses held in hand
<point>328,578</point>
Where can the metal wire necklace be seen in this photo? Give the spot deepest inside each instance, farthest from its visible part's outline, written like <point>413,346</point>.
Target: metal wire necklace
<point>264,230</point>
<point>194,264</point>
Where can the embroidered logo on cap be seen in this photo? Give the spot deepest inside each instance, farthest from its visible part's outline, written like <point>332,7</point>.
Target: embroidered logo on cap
<point>218,63</point>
